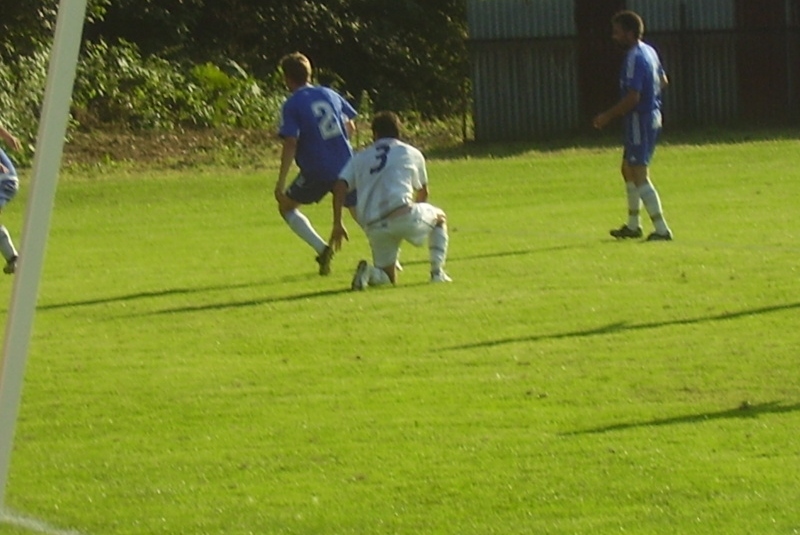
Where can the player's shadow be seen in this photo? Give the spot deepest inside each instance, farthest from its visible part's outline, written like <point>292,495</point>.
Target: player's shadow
<point>624,327</point>
<point>500,254</point>
<point>171,292</point>
<point>155,294</point>
<point>281,299</point>
<point>745,410</point>
<point>249,302</point>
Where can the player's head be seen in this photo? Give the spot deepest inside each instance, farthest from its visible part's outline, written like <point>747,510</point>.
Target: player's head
<point>385,124</point>
<point>627,27</point>
<point>296,68</point>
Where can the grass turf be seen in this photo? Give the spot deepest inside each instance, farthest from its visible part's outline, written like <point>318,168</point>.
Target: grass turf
<point>191,373</point>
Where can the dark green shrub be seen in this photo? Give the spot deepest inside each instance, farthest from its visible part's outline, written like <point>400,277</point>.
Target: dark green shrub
<point>22,84</point>
<point>115,85</point>
<point>236,99</point>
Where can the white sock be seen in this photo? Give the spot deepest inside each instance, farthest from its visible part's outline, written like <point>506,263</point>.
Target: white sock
<point>6,245</point>
<point>377,276</point>
<point>652,203</point>
<point>633,205</point>
<point>301,226</point>
<point>437,247</point>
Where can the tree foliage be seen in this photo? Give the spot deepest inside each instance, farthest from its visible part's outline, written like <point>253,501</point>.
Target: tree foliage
<point>167,63</point>
<point>26,26</point>
<point>407,54</point>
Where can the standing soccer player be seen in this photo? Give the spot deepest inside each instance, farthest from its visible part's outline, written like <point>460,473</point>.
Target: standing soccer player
<point>392,183</point>
<point>642,79</point>
<point>316,125</point>
<point>9,184</point>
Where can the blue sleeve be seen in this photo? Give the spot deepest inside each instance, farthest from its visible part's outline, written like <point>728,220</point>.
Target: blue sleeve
<point>636,78</point>
<point>348,110</point>
<point>290,127</point>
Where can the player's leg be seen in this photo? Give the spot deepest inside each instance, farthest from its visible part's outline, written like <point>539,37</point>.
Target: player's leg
<point>8,251</point>
<point>634,201</point>
<point>298,193</point>
<point>438,240</point>
<point>631,228</point>
<point>350,203</point>
<point>652,203</point>
<point>640,171</point>
<point>9,185</point>
<point>428,222</point>
<point>385,247</point>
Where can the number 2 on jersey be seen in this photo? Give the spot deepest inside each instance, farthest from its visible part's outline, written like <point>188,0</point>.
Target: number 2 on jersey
<point>326,120</point>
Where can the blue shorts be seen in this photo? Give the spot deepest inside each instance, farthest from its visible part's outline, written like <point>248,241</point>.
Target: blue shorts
<point>307,191</point>
<point>641,134</point>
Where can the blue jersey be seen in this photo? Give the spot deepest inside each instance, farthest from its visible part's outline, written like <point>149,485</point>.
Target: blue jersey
<point>7,163</point>
<point>316,116</point>
<point>642,72</point>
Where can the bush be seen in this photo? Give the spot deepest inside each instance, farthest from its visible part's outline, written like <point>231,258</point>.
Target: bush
<point>118,89</point>
<point>22,84</point>
<point>117,86</point>
<point>236,99</point>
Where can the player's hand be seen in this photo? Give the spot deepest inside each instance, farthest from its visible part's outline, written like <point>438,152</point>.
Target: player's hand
<point>600,121</point>
<point>13,142</point>
<point>337,234</point>
<point>280,194</point>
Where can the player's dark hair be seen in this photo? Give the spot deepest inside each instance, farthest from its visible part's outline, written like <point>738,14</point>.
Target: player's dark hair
<point>630,21</point>
<point>386,124</point>
<point>296,67</point>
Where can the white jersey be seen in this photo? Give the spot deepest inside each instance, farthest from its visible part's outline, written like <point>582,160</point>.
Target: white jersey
<point>387,175</point>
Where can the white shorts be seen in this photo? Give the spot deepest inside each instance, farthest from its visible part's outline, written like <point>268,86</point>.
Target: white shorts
<point>9,185</point>
<point>414,226</point>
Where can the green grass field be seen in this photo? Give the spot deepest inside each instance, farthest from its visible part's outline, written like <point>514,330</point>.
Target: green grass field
<point>190,373</point>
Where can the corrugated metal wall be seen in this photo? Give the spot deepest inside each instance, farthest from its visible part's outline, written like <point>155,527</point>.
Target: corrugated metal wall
<point>519,19</point>
<point>524,89</point>
<point>703,77</point>
<point>697,44</point>
<point>700,15</point>
<point>526,68</point>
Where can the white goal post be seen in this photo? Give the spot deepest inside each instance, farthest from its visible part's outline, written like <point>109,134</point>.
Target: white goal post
<point>46,163</point>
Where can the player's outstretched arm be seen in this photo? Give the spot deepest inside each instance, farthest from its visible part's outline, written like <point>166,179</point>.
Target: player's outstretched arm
<point>339,231</point>
<point>10,139</point>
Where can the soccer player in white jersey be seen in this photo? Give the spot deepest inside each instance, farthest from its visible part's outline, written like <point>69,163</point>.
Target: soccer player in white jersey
<point>9,184</point>
<point>316,125</point>
<point>642,78</point>
<point>392,183</point>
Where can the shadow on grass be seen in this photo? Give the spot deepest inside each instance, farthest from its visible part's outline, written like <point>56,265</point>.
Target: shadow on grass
<point>499,254</point>
<point>148,295</point>
<point>155,294</point>
<point>624,327</point>
<point>745,410</point>
<point>249,302</point>
<point>281,299</point>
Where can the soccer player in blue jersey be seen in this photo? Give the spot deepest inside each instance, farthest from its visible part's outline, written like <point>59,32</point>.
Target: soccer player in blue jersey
<point>316,125</point>
<point>642,78</point>
<point>9,184</point>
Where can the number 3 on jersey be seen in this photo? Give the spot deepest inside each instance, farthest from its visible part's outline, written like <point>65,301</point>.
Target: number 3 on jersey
<point>382,155</point>
<point>326,120</point>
